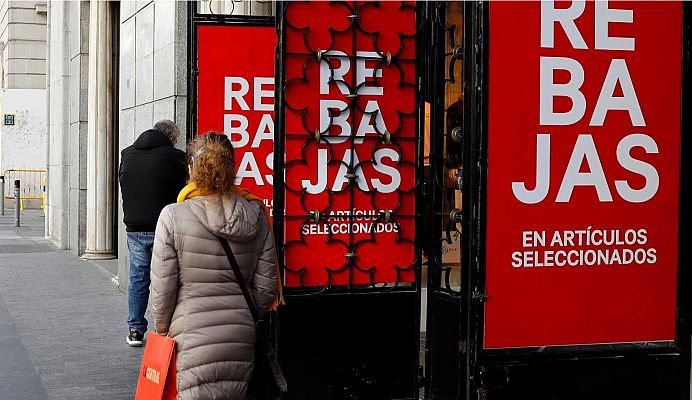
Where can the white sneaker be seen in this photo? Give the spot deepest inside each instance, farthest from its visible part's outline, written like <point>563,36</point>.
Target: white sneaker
<point>135,338</point>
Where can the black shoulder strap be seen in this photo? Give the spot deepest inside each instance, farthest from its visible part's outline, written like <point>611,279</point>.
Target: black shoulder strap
<point>239,277</point>
<point>269,349</point>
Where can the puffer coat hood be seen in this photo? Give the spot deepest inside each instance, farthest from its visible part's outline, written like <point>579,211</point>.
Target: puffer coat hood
<point>227,218</point>
<point>196,298</point>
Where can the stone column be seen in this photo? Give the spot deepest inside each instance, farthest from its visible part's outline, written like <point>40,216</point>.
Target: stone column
<point>99,229</point>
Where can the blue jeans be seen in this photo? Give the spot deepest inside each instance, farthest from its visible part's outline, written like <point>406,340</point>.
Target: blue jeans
<point>139,245</point>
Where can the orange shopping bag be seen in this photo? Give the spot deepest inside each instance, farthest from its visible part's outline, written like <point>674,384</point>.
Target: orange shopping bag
<point>157,374</point>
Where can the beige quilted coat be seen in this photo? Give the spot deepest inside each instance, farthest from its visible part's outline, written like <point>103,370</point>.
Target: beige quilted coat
<point>195,296</point>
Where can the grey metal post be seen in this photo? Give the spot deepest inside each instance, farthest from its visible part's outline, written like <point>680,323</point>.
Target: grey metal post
<point>16,202</point>
<point>2,195</point>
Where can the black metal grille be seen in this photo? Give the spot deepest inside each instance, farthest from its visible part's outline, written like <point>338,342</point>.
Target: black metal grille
<point>446,143</point>
<point>446,340</point>
<point>350,328</point>
<point>315,48</point>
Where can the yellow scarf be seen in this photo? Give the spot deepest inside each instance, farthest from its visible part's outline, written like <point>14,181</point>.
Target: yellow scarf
<point>191,190</point>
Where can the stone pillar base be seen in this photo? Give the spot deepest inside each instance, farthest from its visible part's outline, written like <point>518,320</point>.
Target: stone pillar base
<point>100,179</point>
<point>98,255</point>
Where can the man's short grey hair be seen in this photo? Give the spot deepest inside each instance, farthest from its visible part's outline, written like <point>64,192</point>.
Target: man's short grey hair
<point>168,128</point>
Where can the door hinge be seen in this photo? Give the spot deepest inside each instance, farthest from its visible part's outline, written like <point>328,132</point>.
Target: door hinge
<point>462,346</point>
<point>479,296</point>
<point>422,379</point>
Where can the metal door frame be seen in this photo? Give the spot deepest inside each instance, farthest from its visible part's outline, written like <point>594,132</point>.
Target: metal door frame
<point>195,19</point>
<point>441,63</point>
<point>475,360</point>
<point>350,291</point>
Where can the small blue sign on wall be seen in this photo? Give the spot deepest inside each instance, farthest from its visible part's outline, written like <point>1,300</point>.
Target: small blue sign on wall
<point>9,119</point>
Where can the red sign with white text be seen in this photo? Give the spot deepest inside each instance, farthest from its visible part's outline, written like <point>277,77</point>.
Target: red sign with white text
<point>583,172</point>
<point>350,143</point>
<point>235,95</point>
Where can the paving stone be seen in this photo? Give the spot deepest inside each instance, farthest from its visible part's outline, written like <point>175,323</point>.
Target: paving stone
<point>68,321</point>
<point>18,376</point>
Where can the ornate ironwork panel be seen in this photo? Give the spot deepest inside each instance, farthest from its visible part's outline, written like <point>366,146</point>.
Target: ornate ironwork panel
<point>446,141</point>
<point>348,198</point>
<point>352,146</point>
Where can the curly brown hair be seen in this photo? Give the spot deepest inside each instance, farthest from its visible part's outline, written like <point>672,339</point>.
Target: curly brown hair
<point>213,163</point>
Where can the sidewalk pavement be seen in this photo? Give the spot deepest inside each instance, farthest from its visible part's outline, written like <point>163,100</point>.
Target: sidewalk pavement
<point>62,321</point>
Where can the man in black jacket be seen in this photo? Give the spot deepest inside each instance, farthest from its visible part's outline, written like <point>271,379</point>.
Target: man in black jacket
<point>152,173</point>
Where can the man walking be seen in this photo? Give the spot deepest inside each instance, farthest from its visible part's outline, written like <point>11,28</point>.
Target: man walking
<point>152,172</point>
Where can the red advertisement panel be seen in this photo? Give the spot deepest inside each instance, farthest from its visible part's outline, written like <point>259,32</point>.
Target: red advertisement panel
<point>583,172</point>
<point>235,95</point>
<point>350,143</point>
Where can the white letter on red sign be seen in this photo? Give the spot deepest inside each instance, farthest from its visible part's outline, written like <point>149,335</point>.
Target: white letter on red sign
<point>329,119</point>
<point>265,131</point>
<point>549,89</point>
<point>350,159</point>
<point>387,170</point>
<point>335,73</point>
<point>270,164</point>
<point>542,174</point>
<point>617,72</point>
<point>638,167</point>
<point>604,16</point>
<point>362,72</point>
<point>230,94</point>
<point>321,183</point>
<point>372,109</point>
<point>584,148</point>
<point>241,129</point>
<point>263,94</point>
<point>566,17</point>
<point>249,169</point>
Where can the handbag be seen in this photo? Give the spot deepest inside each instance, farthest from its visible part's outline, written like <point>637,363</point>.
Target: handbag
<point>157,374</point>
<point>263,340</point>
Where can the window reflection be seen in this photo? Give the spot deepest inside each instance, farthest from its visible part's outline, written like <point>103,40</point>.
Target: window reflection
<point>255,8</point>
<point>453,139</point>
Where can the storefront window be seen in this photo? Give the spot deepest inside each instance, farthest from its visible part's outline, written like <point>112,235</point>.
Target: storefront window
<point>443,150</point>
<point>454,111</point>
<point>236,7</point>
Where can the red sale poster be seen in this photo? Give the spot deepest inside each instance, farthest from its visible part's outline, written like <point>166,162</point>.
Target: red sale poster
<point>235,95</point>
<point>350,143</point>
<point>583,172</point>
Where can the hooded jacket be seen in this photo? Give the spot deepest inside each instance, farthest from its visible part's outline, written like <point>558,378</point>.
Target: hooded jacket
<point>152,172</point>
<point>196,298</point>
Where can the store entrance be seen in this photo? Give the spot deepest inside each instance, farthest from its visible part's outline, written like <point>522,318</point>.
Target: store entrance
<point>446,290</point>
<point>378,178</point>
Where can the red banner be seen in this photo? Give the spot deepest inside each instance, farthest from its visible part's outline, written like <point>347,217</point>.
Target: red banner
<point>350,143</point>
<point>583,172</point>
<point>235,95</point>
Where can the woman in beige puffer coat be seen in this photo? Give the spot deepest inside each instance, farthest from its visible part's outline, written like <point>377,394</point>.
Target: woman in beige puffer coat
<point>195,296</point>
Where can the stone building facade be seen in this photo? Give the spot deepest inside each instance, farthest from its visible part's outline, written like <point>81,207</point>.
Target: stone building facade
<point>114,69</point>
<point>23,91</point>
